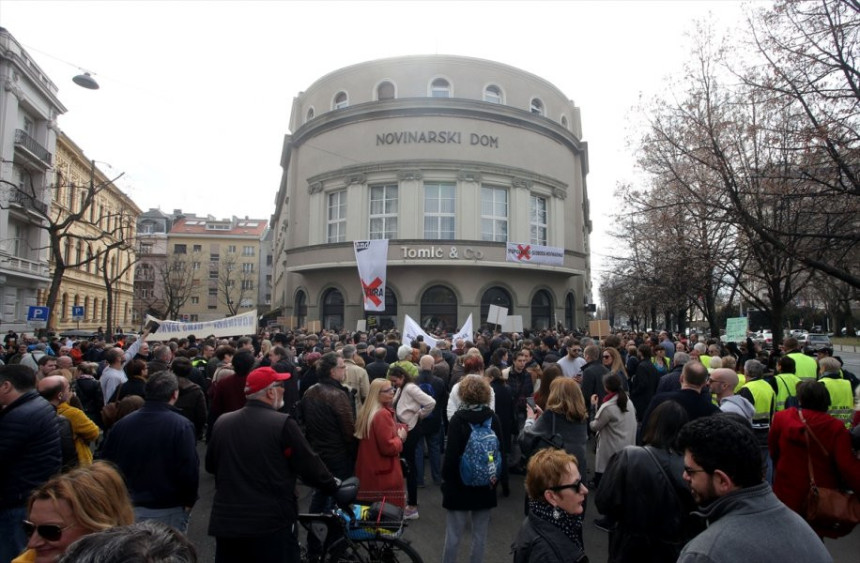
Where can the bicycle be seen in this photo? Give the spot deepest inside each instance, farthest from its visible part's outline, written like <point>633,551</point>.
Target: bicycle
<point>358,533</point>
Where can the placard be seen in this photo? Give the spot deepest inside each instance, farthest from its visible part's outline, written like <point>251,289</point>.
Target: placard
<point>736,329</point>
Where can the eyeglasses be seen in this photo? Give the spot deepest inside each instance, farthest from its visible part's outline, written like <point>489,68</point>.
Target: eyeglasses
<point>576,486</point>
<point>50,532</point>
<point>692,471</point>
<point>389,390</point>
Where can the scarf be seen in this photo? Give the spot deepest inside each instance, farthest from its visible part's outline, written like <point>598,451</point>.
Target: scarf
<point>569,524</point>
<point>608,396</point>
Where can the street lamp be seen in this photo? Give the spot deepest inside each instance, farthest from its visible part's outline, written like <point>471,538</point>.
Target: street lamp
<point>86,80</point>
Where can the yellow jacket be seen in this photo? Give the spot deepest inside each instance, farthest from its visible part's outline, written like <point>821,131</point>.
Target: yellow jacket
<point>83,429</point>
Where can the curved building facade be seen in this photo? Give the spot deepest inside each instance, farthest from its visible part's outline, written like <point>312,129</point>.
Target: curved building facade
<point>450,158</point>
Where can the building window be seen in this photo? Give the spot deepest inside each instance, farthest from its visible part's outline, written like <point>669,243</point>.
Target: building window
<point>383,212</point>
<point>341,100</point>
<point>213,292</point>
<point>300,308</point>
<point>332,309</point>
<point>541,310</point>
<point>439,211</point>
<point>564,121</point>
<point>248,268</point>
<point>231,249</point>
<point>180,249</point>
<point>536,106</point>
<point>247,251</point>
<point>440,88</point>
<point>310,115</point>
<point>247,284</point>
<point>197,248</point>
<point>496,296</point>
<point>195,300</point>
<point>493,94</point>
<point>213,274</point>
<point>195,265</point>
<point>386,91</point>
<point>193,318</point>
<point>439,310</point>
<point>537,220</point>
<point>494,214</point>
<point>336,217</point>
<point>570,310</point>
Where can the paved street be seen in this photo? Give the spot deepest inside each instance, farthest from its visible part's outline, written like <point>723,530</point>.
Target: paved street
<point>427,534</point>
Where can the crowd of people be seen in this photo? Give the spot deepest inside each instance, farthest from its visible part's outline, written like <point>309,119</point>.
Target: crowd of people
<point>692,438</point>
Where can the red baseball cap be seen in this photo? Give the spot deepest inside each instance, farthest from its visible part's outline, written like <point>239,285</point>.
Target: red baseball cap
<point>261,378</point>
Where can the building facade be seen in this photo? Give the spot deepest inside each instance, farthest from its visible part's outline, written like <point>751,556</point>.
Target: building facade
<point>150,270</point>
<point>98,246</point>
<point>449,158</point>
<point>214,266</point>
<point>29,108</point>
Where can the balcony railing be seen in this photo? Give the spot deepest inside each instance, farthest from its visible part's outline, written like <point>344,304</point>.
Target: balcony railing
<point>29,143</point>
<point>27,266</point>
<point>26,200</point>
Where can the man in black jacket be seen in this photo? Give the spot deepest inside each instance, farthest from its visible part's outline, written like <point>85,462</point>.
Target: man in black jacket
<point>156,450</point>
<point>379,367</point>
<point>252,518</point>
<point>29,452</point>
<point>593,372</point>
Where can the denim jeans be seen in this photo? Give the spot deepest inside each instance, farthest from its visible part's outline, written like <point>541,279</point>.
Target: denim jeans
<point>176,516</point>
<point>12,538</point>
<point>434,448</point>
<point>455,525</point>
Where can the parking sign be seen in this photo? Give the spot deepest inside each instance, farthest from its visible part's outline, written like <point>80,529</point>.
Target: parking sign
<point>37,317</point>
<point>77,313</point>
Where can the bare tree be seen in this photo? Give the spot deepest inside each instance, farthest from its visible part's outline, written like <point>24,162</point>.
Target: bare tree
<point>112,268</point>
<point>61,223</point>
<point>179,283</point>
<point>235,283</point>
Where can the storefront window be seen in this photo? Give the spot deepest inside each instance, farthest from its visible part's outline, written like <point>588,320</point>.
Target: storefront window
<point>439,310</point>
<point>332,309</point>
<point>541,310</point>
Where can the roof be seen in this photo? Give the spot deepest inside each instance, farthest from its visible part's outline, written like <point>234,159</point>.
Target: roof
<point>203,226</point>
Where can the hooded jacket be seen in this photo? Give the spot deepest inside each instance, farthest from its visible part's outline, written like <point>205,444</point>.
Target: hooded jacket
<point>738,405</point>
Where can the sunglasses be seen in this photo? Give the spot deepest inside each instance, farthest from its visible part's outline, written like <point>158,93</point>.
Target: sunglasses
<point>607,357</point>
<point>50,532</point>
<point>389,390</point>
<point>576,486</point>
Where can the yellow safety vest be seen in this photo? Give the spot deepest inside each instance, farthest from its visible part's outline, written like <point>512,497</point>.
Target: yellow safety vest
<point>786,386</point>
<point>805,367</point>
<point>763,397</point>
<point>841,398</point>
<point>742,380</point>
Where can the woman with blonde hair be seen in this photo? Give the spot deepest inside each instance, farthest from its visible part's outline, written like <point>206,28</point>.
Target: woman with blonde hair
<point>71,505</point>
<point>564,423</point>
<point>380,444</point>
<point>614,363</point>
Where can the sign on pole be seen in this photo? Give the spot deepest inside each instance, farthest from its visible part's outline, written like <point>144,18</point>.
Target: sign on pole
<point>599,328</point>
<point>736,329</point>
<point>77,313</point>
<point>37,317</point>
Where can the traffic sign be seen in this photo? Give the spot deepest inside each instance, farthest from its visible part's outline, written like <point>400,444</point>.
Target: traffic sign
<point>37,317</point>
<point>77,313</point>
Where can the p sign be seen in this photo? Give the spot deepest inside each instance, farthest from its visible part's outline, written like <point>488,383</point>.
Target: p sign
<point>37,316</point>
<point>77,313</point>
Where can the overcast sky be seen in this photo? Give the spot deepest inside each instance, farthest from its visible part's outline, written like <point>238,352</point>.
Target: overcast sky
<point>195,96</point>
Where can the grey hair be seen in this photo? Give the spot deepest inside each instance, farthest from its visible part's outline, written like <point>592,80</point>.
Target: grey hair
<point>348,352</point>
<point>405,351</point>
<point>681,358</point>
<point>700,347</point>
<point>753,369</point>
<point>149,541</point>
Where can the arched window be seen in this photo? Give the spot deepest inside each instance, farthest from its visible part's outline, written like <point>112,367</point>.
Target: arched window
<point>86,305</point>
<point>94,314</point>
<point>439,310</point>
<point>570,311</point>
<point>332,309</point>
<point>496,296</point>
<point>440,88</point>
<point>541,310</point>
<point>300,309</point>
<point>493,94</point>
<point>387,319</point>
<point>536,106</point>
<point>64,306</point>
<point>385,91</point>
<point>564,121</point>
<point>310,115</point>
<point>103,312</point>
<point>341,100</point>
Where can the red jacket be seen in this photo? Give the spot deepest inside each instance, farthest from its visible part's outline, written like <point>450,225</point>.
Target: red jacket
<point>787,443</point>
<point>378,465</point>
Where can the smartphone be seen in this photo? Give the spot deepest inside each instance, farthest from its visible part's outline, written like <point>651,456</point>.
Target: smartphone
<point>531,402</point>
<point>152,326</point>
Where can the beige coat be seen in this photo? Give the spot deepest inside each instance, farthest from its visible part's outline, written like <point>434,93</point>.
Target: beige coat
<point>356,378</point>
<point>412,404</point>
<point>615,430</point>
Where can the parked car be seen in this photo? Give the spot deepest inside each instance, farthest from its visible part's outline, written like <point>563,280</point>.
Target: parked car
<point>815,342</point>
<point>764,338</point>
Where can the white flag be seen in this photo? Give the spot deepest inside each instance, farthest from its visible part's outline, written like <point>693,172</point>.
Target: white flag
<point>372,259</point>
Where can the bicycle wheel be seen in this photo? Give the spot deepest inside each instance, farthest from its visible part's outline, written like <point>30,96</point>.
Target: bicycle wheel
<point>373,550</point>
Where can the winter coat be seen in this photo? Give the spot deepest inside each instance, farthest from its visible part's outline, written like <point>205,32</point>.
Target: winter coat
<point>412,404</point>
<point>84,432</point>
<point>787,444</point>
<point>540,542</point>
<point>192,404</point>
<point>652,506</point>
<point>643,387</point>
<point>615,430</point>
<point>378,465</point>
<point>573,432</point>
<point>330,424</point>
<point>455,494</point>
<point>30,450</point>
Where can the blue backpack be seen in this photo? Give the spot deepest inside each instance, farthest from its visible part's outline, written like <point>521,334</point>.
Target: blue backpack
<point>481,463</point>
<point>427,387</point>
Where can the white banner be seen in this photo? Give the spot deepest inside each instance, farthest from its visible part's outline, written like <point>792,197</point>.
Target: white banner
<point>411,330</point>
<point>240,325</point>
<point>372,259</point>
<point>534,254</point>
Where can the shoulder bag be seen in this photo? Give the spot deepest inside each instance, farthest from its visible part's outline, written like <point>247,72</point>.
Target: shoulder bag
<point>828,509</point>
